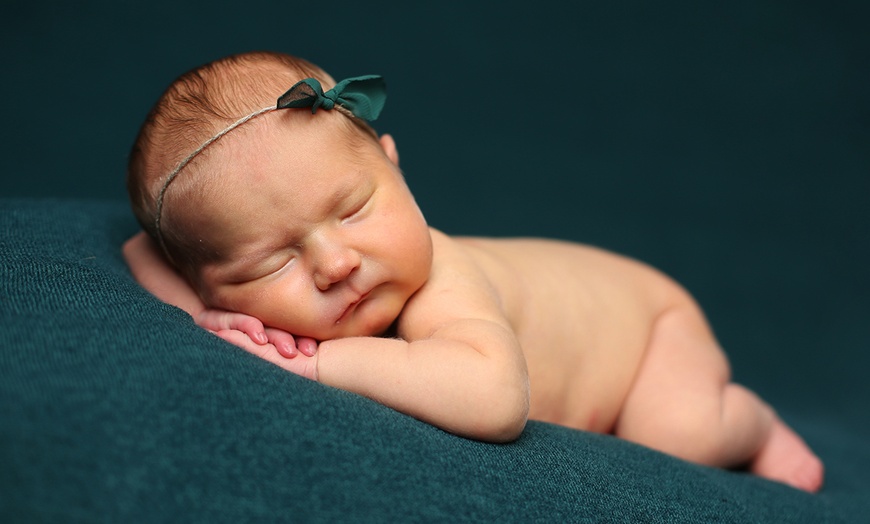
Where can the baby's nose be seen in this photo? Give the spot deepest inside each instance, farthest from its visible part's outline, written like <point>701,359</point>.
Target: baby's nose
<point>335,263</point>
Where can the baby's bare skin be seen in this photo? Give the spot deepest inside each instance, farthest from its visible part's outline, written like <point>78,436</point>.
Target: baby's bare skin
<point>611,345</point>
<point>583,317</point>
<point>614,346</point>
<point>311,229</point>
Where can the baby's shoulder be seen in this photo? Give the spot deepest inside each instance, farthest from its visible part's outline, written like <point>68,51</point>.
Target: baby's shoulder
<point>485,268</point>
<point>460,285</point>
<point>455,261</point>
<point>478,259</point>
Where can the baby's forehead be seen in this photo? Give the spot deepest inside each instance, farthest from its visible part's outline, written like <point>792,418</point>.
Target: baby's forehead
<point>279,142</point>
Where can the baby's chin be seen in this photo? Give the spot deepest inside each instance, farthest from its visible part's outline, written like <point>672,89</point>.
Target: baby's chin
<point>348,331</point>
<point>362,326</point>
<point>374,317</point>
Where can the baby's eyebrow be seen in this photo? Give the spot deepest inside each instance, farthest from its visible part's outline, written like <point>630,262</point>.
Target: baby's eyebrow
<point>344,191</point>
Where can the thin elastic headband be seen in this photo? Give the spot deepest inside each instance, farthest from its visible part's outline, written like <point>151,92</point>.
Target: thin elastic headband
<point>362,96</point>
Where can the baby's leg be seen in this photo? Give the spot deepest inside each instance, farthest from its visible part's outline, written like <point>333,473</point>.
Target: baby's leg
<point>683,403</point>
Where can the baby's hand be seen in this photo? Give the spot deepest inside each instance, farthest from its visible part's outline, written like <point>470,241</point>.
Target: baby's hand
<point>249,333</point>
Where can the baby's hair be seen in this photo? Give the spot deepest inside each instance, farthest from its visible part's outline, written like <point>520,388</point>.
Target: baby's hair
<point>192,110</point>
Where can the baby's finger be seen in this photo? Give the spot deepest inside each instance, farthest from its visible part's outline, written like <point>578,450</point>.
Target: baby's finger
<point>306,345</point>
<point>238,338</point>
<point>217,320</point>
<point>283,342</point>
<point>250,326</point>
<point>300,365</point>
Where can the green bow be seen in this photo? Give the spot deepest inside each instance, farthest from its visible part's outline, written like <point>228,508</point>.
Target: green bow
<point>364,96</point>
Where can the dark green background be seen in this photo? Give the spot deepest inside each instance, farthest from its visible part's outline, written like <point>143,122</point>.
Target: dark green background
<point>726,143</point>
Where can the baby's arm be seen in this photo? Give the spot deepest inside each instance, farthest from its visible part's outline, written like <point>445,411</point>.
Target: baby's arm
<point>468,377</point>
<point>459,365</point>
<point>151,270</point>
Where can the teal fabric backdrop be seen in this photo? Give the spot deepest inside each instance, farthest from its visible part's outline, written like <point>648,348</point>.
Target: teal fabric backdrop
<point>728,145</point>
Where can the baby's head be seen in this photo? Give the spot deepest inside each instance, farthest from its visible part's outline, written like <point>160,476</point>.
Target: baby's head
<point>192,110</point>
<point>301,219</point>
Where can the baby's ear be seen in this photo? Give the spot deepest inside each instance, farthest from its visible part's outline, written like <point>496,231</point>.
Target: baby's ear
<point>389,146</point>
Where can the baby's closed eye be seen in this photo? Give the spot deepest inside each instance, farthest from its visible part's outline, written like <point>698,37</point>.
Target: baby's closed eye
<point>357,208</point>
<point>263,266</point>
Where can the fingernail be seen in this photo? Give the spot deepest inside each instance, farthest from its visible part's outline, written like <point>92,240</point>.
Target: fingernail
<point>261,338</point>
<point>286,351</point>
<point>310,348</point>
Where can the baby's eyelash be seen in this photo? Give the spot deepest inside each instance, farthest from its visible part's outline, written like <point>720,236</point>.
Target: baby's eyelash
<point>355,209</point>
<point>359,206</point>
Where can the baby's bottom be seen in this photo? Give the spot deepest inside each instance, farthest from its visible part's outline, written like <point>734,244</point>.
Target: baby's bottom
<point>683,403</point>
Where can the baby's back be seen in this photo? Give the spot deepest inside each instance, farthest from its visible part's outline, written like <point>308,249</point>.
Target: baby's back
<point>583,317</point>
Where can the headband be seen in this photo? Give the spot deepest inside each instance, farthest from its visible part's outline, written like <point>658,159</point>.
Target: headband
<point>361,96</point>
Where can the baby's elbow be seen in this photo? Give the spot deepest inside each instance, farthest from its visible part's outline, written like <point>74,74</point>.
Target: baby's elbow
<point>507,429</point>
<point>503,415</point>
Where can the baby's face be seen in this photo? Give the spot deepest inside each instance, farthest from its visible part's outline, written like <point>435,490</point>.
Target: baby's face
<point>316,237</point>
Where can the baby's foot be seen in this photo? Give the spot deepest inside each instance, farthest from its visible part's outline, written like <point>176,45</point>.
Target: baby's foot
<point>786,458</point>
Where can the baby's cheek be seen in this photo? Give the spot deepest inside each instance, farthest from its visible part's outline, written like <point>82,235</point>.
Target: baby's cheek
<point>208,297</point>
<point>291,317</point>
<point>234,298</point>
<point>219,300</point>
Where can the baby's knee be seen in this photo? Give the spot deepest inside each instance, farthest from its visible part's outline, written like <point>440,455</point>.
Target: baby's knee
<point>696,438</point>
<point>691,431</point>
<point>724,430</point>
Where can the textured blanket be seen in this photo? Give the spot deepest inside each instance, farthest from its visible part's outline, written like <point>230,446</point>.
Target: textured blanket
<point>116,408</point>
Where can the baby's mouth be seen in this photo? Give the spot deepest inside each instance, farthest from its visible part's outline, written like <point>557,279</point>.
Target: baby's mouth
<point>348,311</point>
